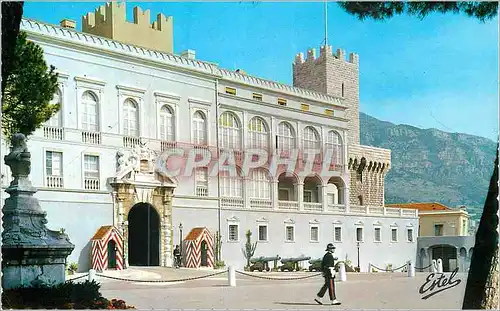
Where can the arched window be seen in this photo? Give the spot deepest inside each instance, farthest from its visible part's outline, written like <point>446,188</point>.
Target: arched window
<point>90,116</point>
<point>230,131</point>
<point>130,123</point>
<point>311,139</point>
<point>334,143</point>
<point>231,186</point>
<point>167,124</point>
<point>258,134</point>
<point>286,137</point>
<point>55,120</point>
<point>199,128</point>
<point>261,185</point>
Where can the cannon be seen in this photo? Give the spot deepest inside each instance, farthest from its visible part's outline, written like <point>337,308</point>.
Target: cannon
<point>315,264</point>
<point>262,263</point>
<point>292,264</point>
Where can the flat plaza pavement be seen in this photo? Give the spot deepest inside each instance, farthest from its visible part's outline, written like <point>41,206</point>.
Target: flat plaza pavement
<point>361,290</point>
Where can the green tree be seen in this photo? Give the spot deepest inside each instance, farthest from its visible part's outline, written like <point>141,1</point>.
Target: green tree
<point>29,87</point>
<point>12,13</point>
<point>481,291</point>
<point>385,10</point>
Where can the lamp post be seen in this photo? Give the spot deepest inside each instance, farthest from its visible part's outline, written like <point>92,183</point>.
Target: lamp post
<point>357,245</point>
<point>180,237</point>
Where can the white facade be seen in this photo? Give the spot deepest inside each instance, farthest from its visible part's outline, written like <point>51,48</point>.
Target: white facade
<point>114,95</point>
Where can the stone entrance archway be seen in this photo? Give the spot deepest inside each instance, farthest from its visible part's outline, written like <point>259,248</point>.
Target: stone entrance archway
<point>143,235</point>
<point>136,182</point>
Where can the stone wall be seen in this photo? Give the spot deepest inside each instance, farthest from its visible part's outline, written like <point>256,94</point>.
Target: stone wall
<point>368,167</point>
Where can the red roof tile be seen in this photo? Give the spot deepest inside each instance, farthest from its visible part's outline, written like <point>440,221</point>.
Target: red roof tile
<point>422,206</point>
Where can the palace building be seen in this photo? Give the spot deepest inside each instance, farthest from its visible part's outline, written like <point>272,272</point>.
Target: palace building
<point>126,98</point>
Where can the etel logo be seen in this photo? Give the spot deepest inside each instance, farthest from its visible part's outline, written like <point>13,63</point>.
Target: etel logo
<point>438,284</point>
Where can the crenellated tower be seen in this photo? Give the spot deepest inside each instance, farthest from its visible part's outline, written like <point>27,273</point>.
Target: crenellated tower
<point>334,74</point>
<point>109,21</point>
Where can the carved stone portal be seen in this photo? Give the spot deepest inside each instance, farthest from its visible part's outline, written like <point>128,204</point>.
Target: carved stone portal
<point>31,253</point>
<point>136,181</point>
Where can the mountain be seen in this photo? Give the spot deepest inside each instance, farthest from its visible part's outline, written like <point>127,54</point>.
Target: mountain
<point>429,165</point>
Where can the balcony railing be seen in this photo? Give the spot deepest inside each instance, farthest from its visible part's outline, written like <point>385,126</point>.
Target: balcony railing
<point>54,181</point>
<point>376,210</point>
<point>289,205</point>
<point>91,138</point>
<point>336,208</point>
<point>312,206</point>
<point>131,142</point>
<point>391,211</point>
<point>232,202</point>
<point>167,145</point>
<point>54,133</point>
<point>357,209</point>
<point>409,212</point>
<point>261,203</point>
<point>201,191</point>
<point>91,184</point>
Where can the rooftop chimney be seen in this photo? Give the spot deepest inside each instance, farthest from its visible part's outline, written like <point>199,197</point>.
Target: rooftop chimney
<point>190,54</point>
<point>68,23</point>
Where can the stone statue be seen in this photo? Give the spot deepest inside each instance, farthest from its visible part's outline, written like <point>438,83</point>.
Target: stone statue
<point>121,162</point>
<point>19,159</point>
<point>134,160</point>
<point>31,252</point>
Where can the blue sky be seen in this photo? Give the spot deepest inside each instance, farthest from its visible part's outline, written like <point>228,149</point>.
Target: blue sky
<point>439,72</point>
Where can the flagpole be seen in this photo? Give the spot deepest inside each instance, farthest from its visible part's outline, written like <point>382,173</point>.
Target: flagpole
<point>326,23</point>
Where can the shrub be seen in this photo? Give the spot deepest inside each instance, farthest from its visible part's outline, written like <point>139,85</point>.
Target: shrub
<point>72,268</point>
<point>219,264</point>
<point>67,295</point>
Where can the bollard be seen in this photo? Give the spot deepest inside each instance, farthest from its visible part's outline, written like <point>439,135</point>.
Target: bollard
<point>434,266</point>
<point>342,273</point>
<point>411,270</point>
<point>440,265</point>
<point>231,276</point>
<point>91,275</point>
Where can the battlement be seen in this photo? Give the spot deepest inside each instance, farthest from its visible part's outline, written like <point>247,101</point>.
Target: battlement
<point>110,21</point>
<point>325,51</point>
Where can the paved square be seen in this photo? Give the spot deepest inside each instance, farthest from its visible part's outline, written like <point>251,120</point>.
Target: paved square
<point>367,291</point>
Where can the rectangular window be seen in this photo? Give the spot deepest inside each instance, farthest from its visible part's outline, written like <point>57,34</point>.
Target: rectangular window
<point>263,233</point>
<point>53,163</point>
<point>359,234</point>
<point>337,234</point>
<point>438,230</point>
<point>233,233</point>
<point>304,107</point>
<point>290,234</point>
<point>314,234</point>
<point>91,172</point>
<point>257,96</point>
<point>378,237</point>
<point>202,182</point>
<point>410,235</point>
<point>307,196</point>
<point>230,90</point>
<point>329,112</point>
<point>464,227</point>
<point>283,195</point>
<point>330,198</point>
<point>394,235</point>
<point>281,102</point>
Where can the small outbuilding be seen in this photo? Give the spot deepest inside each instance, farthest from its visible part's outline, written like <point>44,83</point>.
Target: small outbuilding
<point>107,249</point>
<point>198,248</point>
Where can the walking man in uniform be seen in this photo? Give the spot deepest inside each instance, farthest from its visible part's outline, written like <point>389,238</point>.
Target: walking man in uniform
<point>327,263</point>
